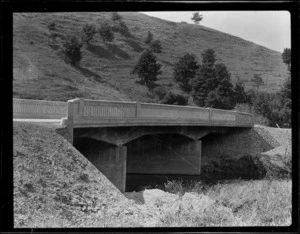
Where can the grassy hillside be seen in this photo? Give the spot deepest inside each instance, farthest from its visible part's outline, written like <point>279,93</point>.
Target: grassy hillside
<point>104,72</point>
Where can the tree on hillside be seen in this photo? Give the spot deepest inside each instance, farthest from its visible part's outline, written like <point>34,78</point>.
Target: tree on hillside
<point>51,26</point>
<point>286,90</point>
<point>156,46</point>
<point>197,17</point>
<point>106,32</point>
<point>52,34</point>
<point>211,86</point>
<point>149,38</point>
<point>286,57</point>
<point>72,49</point>
<point>185,70</point>
<point>205,78</point>
<point>257,80</point>
<point>208,58</point>
<point>147,68</point>
<point>223,96</point>
<point>88,32</point>
<point>115,16</point>
<point>239,92</point>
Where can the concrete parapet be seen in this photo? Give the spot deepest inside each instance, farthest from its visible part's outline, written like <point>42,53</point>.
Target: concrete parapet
<point>92,113</point>
<point>39,109</point>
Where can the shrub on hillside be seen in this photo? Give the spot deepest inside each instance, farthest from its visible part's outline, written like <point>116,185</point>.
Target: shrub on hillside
<point>115,16</point>
<point>72,49</point>
<point>239,92</point>
<point>106,33</point>
<point>88,32</point>
<point>175,98</point>
<point>156,46</point>
<point>51,26</point>
<point>53,35</point>
<point>121,27</point>
<point>257,80</point>
<point>258,118</point>
<point>159,92</point>
<point>149,38</point>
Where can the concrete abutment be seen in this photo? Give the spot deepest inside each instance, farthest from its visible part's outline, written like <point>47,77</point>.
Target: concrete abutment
<point>109,159</point>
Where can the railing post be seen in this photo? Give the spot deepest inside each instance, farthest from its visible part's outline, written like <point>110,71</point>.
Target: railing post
<point>236,117</point>
<point>210,113</point>
<point>81,106</point>
<point>70,120</point>
<point>138,110</point>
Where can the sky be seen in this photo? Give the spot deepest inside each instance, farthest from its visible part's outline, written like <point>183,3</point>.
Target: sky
<point>271,29</point>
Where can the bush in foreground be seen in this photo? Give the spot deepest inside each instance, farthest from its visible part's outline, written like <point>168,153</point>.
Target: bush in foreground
<point>238,203</point>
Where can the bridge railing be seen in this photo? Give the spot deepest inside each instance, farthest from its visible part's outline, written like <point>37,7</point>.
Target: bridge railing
<point>97,112</point>
<point>39,109</point>
<point>159,111</point>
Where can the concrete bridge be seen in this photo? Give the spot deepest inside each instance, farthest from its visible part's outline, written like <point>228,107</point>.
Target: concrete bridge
<point>133,137</point>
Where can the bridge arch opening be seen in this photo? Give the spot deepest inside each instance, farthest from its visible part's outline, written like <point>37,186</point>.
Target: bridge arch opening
<point>153,158</point>
<point>87,144</point>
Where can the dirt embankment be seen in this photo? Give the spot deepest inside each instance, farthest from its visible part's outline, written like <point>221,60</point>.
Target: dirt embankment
<point>250,153</point>
<point>55,186</point>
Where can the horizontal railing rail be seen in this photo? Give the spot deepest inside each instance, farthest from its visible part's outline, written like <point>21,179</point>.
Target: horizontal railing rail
<point>39,109</point>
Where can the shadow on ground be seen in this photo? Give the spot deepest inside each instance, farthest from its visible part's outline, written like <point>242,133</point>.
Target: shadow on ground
<point>115,50</point>
<point>134,44</point>
<point>87,73</point>
<point>100,51</point>
<point>109,53</point>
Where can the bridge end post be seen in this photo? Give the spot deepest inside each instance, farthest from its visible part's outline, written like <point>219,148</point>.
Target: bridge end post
<point>70,119</point>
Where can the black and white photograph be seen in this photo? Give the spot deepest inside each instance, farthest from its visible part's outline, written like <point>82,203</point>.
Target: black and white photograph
<point>152,119</point>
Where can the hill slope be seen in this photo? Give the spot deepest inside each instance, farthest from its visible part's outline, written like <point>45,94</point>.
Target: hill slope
<point>104,72</point>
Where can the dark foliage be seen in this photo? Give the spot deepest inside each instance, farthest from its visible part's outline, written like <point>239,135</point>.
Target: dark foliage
<point>272,107</point>
<point>147,68</point>
<point>211,86</point>
<point>106,32</point>
<point>156,46</point>
<point>197,18</point>
<point>121,27</point>
<point>149,38</point>
<point>159,92</point>
<point>175,98</point>
<point>286,57</point>
<point>88,32</point>
<point>257,80</point>
<point>240,93</point>
<point>52,26</point>
<point>185,70</point>
<point>115,16</point>
<point>72,49</point>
